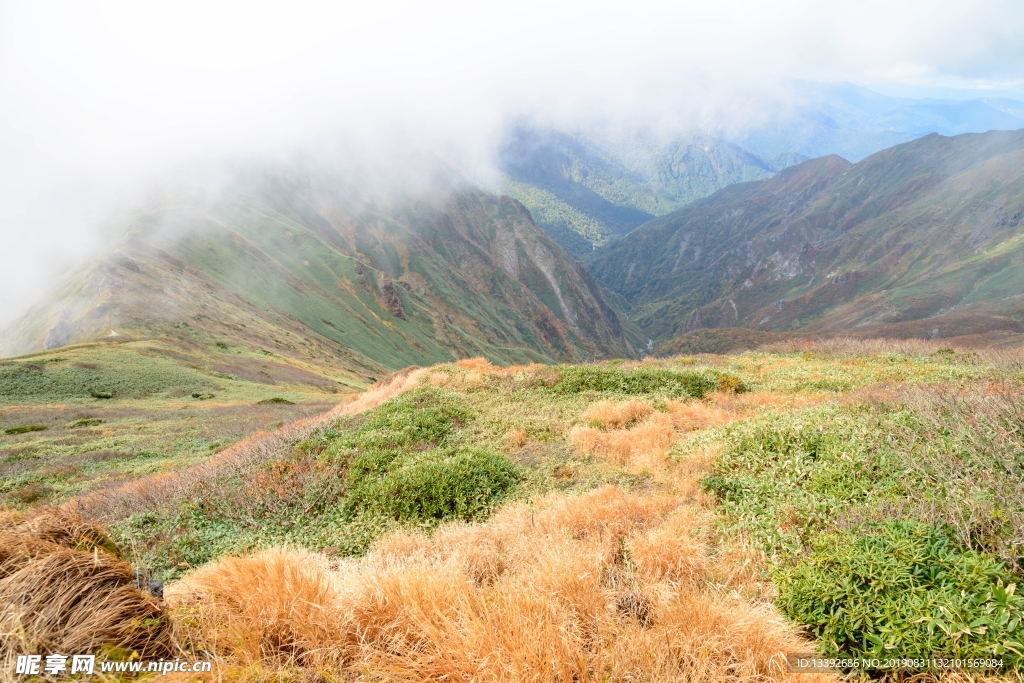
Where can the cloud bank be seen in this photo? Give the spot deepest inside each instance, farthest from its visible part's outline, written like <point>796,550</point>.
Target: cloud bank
<point>102,98</point>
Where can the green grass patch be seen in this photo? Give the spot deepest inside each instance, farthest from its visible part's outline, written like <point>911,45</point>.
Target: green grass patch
<point>902,589</point>
<point>574,379</point>
<point>889,528</point>
<point>24,429</point>
<point>438,485</point>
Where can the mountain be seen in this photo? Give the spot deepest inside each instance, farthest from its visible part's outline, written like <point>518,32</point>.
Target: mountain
<point>922,239</point>
<point>587,188</point>
<point>320,269</point>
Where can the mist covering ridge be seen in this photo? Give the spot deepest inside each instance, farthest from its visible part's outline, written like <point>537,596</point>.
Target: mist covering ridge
<point>341,262</point>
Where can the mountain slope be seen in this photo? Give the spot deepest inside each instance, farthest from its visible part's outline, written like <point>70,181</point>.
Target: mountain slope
<point>586,189</point>
<point>921,239</point>
<point>309,264</point>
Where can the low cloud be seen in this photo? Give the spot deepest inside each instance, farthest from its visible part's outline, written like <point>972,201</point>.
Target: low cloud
<point>101,100</point>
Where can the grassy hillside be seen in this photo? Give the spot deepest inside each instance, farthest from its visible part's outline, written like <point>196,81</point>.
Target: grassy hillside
<point>585,190</point>
<point>920,240</point>
<point>587,522</point>
<point>304,263</point>
<point>93,415</point>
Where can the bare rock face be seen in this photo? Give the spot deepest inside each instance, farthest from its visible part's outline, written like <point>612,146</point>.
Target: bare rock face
<point>392,301</point>
<point>58,336</point>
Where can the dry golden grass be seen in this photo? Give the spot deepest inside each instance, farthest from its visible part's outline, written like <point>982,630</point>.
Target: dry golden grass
<point>634,435</point>
<point>62,590</point>
<point>605,586</point>
<point>612,415</point>
<point>480,365</point>
<point>279,603</point>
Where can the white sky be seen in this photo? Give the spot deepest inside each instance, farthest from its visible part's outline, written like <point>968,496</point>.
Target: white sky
<point>98,97</point>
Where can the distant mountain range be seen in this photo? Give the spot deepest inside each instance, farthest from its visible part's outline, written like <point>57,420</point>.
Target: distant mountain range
<point>586,187</point>
<point>923,239</point>
<point>689,241</point>
<point>303,263</point>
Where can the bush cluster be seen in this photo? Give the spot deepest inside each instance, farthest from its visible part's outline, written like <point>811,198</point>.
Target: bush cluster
<point>902,587</point>
<point>403,465</point>
<point>574,379</point>
<point>886,531</point>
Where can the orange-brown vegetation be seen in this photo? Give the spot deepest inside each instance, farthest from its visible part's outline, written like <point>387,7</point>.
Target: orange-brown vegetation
<point>612,415</point>
<point>605,586</point>
<point>632,447</point>
<point>480,365</point>
<point>633,434</point>
<point>64,589</point>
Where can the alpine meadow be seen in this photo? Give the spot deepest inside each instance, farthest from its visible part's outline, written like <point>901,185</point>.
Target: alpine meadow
<point>555,344</point>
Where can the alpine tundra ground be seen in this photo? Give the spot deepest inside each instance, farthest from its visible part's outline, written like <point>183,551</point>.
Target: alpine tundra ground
<point>693,518</point>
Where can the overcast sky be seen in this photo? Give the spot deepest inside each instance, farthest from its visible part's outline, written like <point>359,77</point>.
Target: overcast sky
<point>98,98</point>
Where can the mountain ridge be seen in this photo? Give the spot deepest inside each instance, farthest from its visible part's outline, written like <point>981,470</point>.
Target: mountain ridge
<point>309,266</point>
<point>829,247</point>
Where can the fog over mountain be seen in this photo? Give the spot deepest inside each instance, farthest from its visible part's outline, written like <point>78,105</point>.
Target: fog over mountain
<point>105,104</point>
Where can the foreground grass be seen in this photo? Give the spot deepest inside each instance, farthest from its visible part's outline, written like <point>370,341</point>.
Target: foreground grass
<point>892,523</point>
<point>679,519</point>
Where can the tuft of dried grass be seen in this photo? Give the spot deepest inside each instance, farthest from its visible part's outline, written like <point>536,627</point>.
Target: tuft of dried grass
<point>517,438</point>
<point>612,415</point>
<point>62,589</point>
<point>480,365</point>
<point>643,445</point>
<point>633,434</point>
<point>674,550</point>
<point>605,586</point>
<point>279,605</point>
<point>691,415</point>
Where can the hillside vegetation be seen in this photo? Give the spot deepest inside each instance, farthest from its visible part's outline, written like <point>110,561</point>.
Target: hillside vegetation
<point>692,518</point>
<point>93,414</point>
<point>920,240</point>
<point>306,263</point>
<point>587,189</point>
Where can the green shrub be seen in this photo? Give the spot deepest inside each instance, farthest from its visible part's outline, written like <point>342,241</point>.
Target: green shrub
<point>24,429</point>
<point>883,525</point>
<point>573,379</point>
<point>276,399</point>
<point>421,419</point>
<point>902,588</point>
<point>101,394</point>
<point>438,485</point>
<point>84,422</point>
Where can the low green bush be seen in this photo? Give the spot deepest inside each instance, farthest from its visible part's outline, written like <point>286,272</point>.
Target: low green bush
<point>24,429</point>
<point>573,379</point>
<point>902,588</point>
<point>437,485</point>
<point>84,422</point>
<point>889,529</point>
